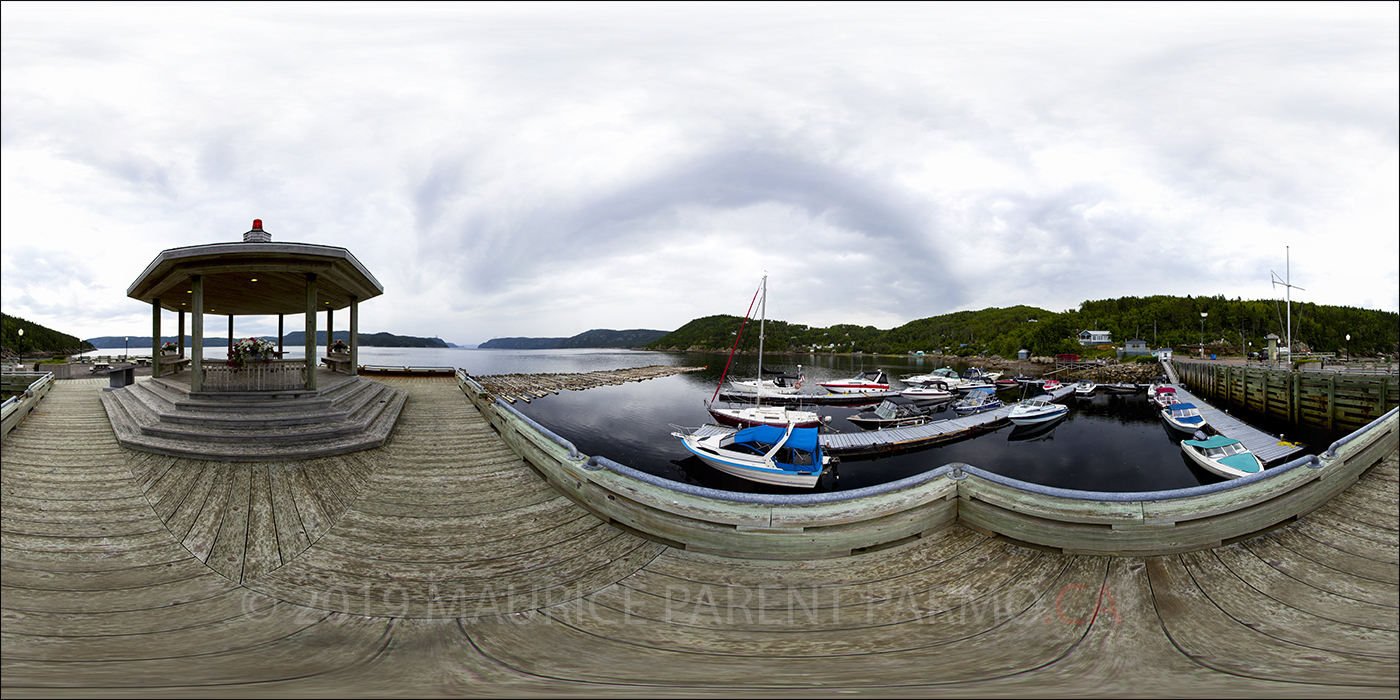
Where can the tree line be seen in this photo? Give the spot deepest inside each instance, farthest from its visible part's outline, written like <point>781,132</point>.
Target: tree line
<point>1229,326</point>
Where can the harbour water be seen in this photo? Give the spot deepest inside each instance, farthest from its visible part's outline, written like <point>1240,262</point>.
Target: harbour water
<point>1107,443</point>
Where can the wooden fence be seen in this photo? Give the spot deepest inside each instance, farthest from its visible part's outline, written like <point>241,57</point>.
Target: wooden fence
<point>1318,399</point>
<point>273,375</point>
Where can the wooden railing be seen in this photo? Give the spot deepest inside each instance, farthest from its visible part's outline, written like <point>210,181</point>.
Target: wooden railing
<point>257,375</point>
<point>844,523</point>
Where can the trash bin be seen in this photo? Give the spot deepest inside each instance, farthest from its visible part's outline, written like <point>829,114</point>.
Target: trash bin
<point>1212,357</point>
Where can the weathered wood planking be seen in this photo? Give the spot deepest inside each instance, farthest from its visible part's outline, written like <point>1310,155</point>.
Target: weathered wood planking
<point>457,577</point>
<point>1321,399</point>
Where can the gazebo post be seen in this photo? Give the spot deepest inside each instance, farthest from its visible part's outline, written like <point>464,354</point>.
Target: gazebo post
<point>330,328</point>
<point>155,337</point>
<point>180,341</point>
<point>230,333</point>
<point>197,334</point>
<point>310,330</point>
<point>280,336</point>
<point>354,334</point>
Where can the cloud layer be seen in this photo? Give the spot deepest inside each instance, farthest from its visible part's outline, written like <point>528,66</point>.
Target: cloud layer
<point>542,169</point>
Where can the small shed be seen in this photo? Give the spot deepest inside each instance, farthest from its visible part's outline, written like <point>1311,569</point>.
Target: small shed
<point>1136,346</point>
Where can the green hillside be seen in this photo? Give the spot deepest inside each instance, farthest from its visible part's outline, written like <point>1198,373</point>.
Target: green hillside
<point>1229,326</point>
<point>36,338</point>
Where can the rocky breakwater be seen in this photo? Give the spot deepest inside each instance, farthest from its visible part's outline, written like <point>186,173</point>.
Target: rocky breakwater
<point>1117,373</point>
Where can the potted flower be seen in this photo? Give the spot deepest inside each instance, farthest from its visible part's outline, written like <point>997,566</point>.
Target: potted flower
<point>169,349</point>
<point>254,349</point>
<point>339,348</point>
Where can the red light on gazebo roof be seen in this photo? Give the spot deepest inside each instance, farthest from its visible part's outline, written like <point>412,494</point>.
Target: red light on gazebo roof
<point>257,224</point>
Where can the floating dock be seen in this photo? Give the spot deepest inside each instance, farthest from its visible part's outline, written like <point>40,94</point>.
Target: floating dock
<point>869,443</point>
<point>524,387</point>
<point>1268,448</point>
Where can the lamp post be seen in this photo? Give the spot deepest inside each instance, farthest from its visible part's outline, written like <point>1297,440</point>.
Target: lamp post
<point>1203,334</point>
<point>1347,348</point>
<point>21,343</point>
<point>126,348</point>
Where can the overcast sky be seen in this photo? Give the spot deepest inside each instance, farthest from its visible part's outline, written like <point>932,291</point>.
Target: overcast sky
<point>546,169</point>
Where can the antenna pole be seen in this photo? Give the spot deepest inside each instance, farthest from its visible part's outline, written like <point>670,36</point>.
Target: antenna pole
<point>1287,283</point>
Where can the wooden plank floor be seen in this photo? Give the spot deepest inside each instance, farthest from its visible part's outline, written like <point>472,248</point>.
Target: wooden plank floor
<point>441,564</point>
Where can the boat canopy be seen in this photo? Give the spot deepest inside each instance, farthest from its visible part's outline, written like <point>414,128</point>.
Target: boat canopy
<point>1212,441</point>
<point>801,439</point>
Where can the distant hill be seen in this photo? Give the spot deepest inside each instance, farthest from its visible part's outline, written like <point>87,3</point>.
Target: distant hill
<point>295,338</point>
<point>36,338</point>
<point>1224,325</point>
<point>597,338</point>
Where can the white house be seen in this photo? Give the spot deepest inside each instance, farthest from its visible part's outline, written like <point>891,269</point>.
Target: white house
<point>1095,337</point>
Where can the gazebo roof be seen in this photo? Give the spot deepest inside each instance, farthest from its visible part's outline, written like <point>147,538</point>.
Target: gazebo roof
<point>256,276</point>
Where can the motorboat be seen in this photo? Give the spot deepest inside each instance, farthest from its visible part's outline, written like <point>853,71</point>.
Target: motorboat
<point>981,375</point>
<point>1037,409</point>
<point>1007,383</point>
<point>928,395</point>
<point>1085,387</point>
<point>869,380</point>
<point>1184,417</point>
<point>788,456</point>
<point>1162,395</point>
<point>893,412</point>
<point>944,378</point>
<point>1119,388</point>
<point>1051,385</point>
<point>977,401</point>
<point>1032,432</point>
<point>1222,455</point>
<point>750,415</point>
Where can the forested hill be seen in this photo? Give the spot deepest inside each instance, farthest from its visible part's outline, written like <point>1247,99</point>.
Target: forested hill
<point>294,339</point>
<point>36,338</point>
<point>1229,325</point>
<point>597,338</point>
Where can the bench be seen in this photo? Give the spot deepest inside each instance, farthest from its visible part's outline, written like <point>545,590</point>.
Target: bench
<point>120,377</point>
<point>339,364</point>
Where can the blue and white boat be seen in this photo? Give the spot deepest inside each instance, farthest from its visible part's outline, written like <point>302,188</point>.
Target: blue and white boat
<point>977,401</point>
<point>1221,455</point>
<point>766,454</point>
<point>1184,416</point>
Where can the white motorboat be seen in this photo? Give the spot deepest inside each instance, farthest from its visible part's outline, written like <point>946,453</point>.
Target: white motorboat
<point>1037,409</point>
<point>750,415</point>
<point>1184,417</point>
<point>1224,456</point>
<point>928,395</point>
<point>869,380</point>
<point>1085,387</point>
<point>944,378</point>
<point>789,456</point>
<point>1162,395</point>
<point>780,385</point>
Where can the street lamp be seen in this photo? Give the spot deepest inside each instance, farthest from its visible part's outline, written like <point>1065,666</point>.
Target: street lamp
<point>1347,348</point>
<point>21,343</point>
<point>1203,334</point>
<point>126,349</point>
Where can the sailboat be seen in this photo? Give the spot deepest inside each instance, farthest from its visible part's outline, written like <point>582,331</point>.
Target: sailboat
<point>748,416</point>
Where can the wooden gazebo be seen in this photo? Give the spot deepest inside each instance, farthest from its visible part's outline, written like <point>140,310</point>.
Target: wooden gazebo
<point>254,277</point>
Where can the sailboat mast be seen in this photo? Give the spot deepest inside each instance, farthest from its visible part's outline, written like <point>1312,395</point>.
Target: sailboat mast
<point>762,318</point>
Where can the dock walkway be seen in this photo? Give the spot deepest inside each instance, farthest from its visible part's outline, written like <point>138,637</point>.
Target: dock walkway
<point>1268,448</point>
<point>443,565</point>
<point>914,437</point>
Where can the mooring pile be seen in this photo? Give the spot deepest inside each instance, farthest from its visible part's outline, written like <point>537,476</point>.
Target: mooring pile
<point>532,386</point>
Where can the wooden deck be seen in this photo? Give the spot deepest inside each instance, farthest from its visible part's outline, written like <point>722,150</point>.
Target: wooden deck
<point>441,564</point>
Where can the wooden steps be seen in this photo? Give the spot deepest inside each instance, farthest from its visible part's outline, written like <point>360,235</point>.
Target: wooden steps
<point>160,417</point>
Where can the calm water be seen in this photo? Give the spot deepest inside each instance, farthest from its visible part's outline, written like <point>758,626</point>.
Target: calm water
<point>1107,443</point>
